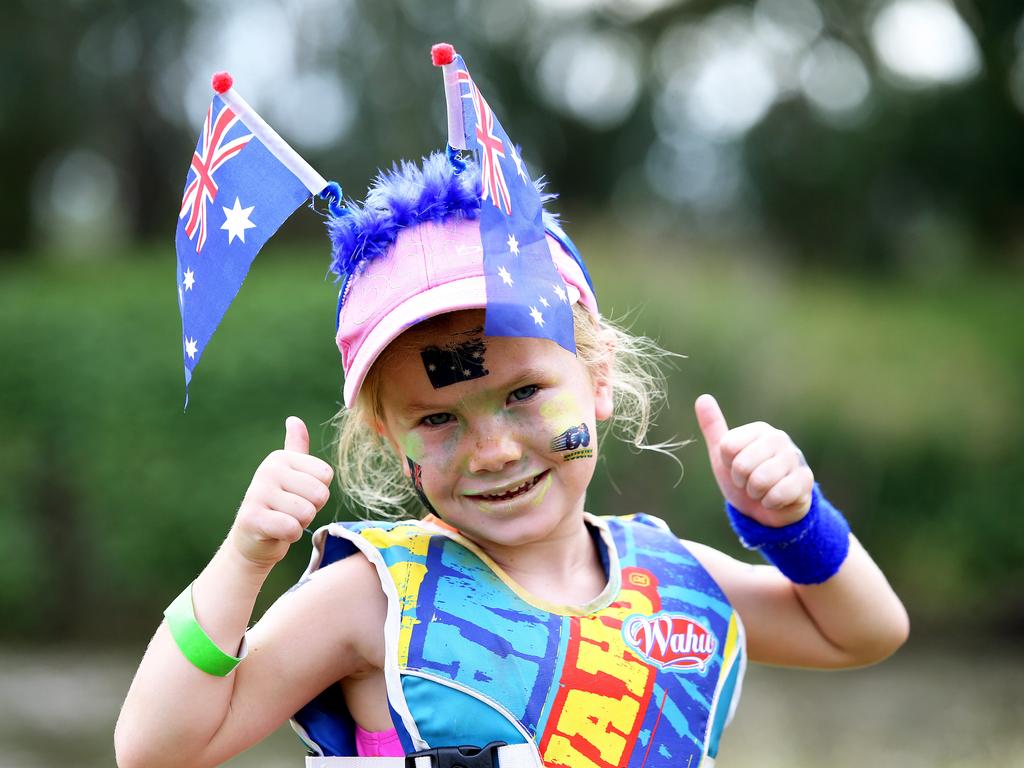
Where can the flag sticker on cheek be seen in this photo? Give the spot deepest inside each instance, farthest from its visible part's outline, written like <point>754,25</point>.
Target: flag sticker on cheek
<point>456,362</point>
<point>416,475</point>
<point>575,442</point>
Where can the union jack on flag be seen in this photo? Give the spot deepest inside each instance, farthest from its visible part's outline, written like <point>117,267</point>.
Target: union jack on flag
<point>243,182</point>
<point>492,148</point>
<point>213,151</point>
<point>526,296</point>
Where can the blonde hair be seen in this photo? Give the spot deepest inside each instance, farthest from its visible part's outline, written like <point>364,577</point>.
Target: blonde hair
<point>371,474</point>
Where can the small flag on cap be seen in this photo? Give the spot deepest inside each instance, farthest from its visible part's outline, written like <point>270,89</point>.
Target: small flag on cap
<point>243,182</point>
<point>526,296</point>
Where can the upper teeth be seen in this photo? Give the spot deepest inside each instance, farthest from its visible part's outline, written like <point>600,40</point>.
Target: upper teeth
<point>509,490</point>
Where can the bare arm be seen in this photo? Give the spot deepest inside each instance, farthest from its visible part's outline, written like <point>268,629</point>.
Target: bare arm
<point>175,714</point>
<point>851,619</point>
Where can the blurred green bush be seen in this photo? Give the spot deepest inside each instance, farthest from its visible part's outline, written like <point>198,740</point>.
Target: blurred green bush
<point>904,397</point>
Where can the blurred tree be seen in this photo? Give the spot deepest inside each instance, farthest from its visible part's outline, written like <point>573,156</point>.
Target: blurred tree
<point>942,155</point>
<point>71,76</point>
<point>824,149</point>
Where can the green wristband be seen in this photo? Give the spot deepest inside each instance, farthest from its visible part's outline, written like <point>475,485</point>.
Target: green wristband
<point>193,642</point>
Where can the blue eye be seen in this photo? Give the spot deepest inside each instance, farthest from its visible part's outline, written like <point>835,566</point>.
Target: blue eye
<point>436,419</point>
<point>523,393</point>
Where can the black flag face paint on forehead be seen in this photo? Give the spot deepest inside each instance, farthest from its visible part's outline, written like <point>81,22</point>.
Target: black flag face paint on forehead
<point>455,362</point>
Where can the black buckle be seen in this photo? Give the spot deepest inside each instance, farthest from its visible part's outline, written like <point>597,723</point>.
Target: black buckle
<point>459,757</point>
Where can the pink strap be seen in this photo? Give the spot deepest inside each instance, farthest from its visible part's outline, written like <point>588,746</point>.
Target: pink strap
<point>378,743</point>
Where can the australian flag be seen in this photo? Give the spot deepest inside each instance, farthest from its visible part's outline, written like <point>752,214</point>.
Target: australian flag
<point>237,194</point>
<point>525,294</point>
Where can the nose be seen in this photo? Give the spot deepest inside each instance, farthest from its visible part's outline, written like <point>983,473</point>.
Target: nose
<point>496,447</point>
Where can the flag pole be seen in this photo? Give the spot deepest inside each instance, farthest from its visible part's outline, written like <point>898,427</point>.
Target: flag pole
<point>443,55</point>
<point>278,147</point>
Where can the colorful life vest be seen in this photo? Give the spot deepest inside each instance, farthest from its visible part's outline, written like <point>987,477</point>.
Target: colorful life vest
<point>647,674</point>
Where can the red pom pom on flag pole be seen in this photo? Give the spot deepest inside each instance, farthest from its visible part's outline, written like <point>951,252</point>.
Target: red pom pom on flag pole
<point>442,53</point>
<point>221,82</point>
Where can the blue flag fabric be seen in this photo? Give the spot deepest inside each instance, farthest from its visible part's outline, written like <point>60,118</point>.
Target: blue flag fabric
<point>237,194</point>
<point>525,294</point>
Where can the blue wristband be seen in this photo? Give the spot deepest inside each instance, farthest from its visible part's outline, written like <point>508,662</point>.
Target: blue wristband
<point>809,551</point>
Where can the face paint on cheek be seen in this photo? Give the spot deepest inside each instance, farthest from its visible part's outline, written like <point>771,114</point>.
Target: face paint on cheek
<point>572,438</point>
<point>412,444</point>
<point>459,361</point>
<point>416,476</point>
<point>574,443</point>
<point>542,492</point>
<point>561,412</point>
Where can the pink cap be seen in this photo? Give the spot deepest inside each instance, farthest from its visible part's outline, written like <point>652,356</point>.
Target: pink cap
<point>430,269</point>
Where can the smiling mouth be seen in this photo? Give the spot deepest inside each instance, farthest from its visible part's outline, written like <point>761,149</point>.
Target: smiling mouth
<point>512,493</point>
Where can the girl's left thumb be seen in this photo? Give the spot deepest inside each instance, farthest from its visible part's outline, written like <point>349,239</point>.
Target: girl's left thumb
<point>712,423</point>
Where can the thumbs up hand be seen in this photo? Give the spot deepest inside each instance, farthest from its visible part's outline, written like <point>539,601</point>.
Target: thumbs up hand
<point>286,492</point>
<point>759,469</point>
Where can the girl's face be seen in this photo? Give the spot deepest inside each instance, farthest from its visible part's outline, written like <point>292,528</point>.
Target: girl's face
<point>497,434</point>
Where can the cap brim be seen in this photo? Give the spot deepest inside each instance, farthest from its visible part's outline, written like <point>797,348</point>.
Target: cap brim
<point>458,294</point>
<point>465,293</point>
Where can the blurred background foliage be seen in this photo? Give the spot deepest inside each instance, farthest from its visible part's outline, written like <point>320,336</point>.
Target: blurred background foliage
<point>818,202</point>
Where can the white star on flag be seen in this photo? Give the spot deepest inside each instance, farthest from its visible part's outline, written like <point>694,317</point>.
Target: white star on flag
<point>236,221</point>
<point>190,279</point>
<point>506,278</point>
<point>543,301</point>
<point>519,163</point>
<point>538,318</point>
<point>513,244</point>
<point>560,293</point>
<point>191,347</point>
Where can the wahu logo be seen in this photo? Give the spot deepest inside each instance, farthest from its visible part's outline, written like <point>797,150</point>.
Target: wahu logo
<point>670,640</point>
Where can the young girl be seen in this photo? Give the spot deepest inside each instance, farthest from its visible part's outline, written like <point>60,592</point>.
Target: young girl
<point>507,614</point>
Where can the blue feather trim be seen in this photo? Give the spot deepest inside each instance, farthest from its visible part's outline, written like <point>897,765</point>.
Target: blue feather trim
<point>404,196</point>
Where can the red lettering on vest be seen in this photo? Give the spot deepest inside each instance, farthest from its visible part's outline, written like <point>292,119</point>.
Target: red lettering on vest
<point>605,688</point>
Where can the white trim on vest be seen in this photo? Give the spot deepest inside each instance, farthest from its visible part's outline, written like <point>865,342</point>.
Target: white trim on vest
<point>509,756</point>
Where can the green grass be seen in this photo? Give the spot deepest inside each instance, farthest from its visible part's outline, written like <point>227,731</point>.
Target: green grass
<point>905,398</point>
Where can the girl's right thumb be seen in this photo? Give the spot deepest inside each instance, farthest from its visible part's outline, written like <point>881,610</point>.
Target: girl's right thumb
<point>296,436</point>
